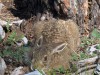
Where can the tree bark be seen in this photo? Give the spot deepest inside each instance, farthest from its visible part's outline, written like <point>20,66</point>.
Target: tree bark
<point>85,12</point>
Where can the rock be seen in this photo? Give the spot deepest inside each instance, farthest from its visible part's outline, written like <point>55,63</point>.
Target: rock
<point>23,41</point>
<point>92,49</point>
<point>1,6</point>
<point>43,17</point>
<point>2,66</point>
<point>2,32</point>
<point>18,71</point>
<point>97,70</point>
<point>4,23</point>
<point>55,41</point>
<point>36,72</point>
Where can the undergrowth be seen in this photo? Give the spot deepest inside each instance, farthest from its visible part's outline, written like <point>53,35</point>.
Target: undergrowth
<point>93,39</point>
<point>16,54</point>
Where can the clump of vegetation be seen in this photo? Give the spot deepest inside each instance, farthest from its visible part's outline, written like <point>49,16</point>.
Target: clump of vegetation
<point>8,26</point>
<point>59,71</point>
<point>14,54</point>
<point>94,38</point>
<point>13,38</point>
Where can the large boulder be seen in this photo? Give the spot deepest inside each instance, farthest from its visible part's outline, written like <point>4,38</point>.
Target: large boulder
<point>3,66</point>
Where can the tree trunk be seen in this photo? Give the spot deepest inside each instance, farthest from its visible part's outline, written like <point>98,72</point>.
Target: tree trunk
<point>85,12</point>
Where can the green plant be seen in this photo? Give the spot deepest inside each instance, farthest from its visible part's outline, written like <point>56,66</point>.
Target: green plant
<point>15,53</point>
<point>0,40</point>
<point>8,26</point>
<point>98,47</point>
<point>59,71</point>
<point>86,41</point>
<point>62,70</point>
<point>83,56</point>
<point>74,57</point>
<point>13,38</point>
<point>95,33</point>
<point>93,39</point>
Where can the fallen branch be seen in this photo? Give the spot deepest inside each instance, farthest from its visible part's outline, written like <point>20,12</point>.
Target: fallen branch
<point>4,23</point>
<point>87,61</point>
<point>18,23</point>
<point>86,68</point>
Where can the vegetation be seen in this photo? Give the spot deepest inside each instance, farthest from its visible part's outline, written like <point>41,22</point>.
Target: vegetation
<point>60,71</point>
<point>16,54</point>
<point>13,38</point>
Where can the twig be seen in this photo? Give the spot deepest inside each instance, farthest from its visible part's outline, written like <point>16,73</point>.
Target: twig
<point>87,61</point>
